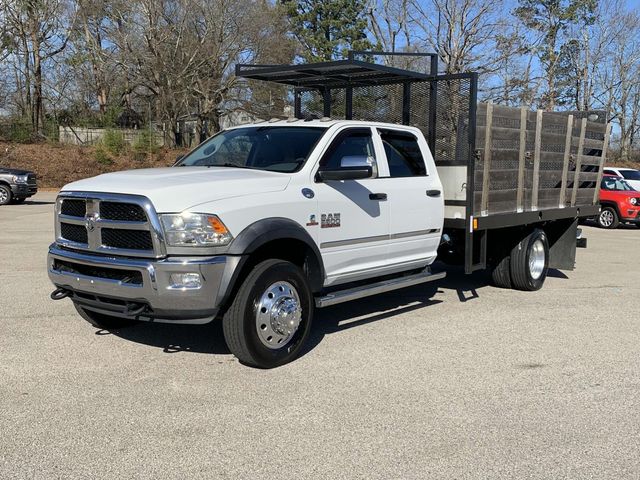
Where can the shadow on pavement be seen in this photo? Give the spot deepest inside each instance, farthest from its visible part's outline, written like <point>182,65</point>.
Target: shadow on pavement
<point>33,202</point>
<point>171,338</point>
<point>554,273</point>
<point>209,338</point>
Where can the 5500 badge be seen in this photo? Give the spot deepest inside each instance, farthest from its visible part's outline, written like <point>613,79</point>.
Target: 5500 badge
<point>330,220</point>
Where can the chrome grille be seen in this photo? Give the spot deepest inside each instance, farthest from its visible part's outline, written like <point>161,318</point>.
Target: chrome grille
<point>126,212</point>
<point>115,224</point>
<point>73,208</point>
<point>73,233</point>
<point>128,239</point>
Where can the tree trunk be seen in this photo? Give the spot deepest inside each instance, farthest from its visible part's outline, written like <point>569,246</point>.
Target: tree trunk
<point>38,108</point>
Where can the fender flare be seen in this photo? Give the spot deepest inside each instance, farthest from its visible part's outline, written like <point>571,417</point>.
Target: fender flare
<point>255,236</point>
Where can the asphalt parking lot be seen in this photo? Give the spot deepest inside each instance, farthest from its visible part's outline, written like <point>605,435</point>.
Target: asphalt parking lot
<point>455,380</point>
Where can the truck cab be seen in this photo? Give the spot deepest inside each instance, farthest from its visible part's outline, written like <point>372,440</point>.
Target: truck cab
<point>260,222</point>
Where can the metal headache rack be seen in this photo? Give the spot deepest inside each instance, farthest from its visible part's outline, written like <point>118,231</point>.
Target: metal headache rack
<point>500,166</point>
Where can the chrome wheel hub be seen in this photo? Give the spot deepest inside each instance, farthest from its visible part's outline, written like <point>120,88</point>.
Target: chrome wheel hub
<point>3,195</point>
<point>278,315</point>
<point>606,218</point>
<point>536,259</point>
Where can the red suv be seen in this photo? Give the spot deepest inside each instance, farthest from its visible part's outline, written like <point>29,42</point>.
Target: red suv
<point>618,203</point>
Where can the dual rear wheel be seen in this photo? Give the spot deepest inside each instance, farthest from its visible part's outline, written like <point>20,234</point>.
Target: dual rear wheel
<point>525,266</point>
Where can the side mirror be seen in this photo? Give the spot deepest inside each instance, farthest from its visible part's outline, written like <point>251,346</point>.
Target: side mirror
<point>347,173</point>
<point>351,168</point>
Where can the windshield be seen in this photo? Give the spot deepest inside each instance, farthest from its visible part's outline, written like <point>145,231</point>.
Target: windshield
<point>277,149</point>
<point>630,174</point>
<point>615,184</point>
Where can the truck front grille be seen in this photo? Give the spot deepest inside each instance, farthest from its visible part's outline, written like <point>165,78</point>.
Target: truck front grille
<point>74,208</point>
<point>112,224</point>
<point>124,212</point>
<point>127,239</point>
<point>74,233</point>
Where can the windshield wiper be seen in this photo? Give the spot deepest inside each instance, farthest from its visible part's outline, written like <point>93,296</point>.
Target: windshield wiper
<point>229,164</point>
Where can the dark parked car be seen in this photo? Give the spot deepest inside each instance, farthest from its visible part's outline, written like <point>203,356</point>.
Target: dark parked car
<point>16,185</point>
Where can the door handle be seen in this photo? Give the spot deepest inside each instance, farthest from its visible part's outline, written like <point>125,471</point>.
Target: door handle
<point>433,193</point>
<point>377,196</point>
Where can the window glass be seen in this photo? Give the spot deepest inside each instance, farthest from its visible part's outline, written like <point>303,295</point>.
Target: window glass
<point>278,149</point>
<point>615,184</point>
<point>356,143</point>
<point>631,174</point>
<point>403,154</point>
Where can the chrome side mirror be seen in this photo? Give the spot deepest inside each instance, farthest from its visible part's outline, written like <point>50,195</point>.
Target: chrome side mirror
<point>360,161</point>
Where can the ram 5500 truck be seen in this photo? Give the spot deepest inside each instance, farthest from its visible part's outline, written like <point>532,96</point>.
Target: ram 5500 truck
<point>263,223</point>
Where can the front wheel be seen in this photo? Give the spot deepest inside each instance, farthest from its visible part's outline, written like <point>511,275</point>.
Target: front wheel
<point>270,317</point>
<point>102,321</point>
<point>5,195</point>
<point>608,218</point>
<point>530,261</point>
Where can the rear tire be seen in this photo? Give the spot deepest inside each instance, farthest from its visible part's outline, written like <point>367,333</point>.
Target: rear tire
<point>501,273</point>
<point>102,321</point>
<point>270,317</point>
<point>530,262</point>
<point>5,195</point>
<point>608,218</point>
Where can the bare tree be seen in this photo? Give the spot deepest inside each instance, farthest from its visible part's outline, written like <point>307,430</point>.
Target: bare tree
<point>41,31</point>
<point>389,24</point>
<point>462,32</point>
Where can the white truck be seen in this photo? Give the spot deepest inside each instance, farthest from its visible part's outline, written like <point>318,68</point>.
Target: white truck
<point>263,223</point>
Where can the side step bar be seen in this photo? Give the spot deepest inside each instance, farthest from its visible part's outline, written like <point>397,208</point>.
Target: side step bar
<point>378,287</point>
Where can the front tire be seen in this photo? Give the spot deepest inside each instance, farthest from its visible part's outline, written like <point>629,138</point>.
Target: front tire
<point>5,195</point>
<point>608,218</point>
<point>270,317</point>
<point>102,321</point>
<point>530,261</point>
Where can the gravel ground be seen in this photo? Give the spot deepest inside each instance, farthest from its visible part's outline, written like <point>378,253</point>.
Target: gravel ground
<point>455,380</point>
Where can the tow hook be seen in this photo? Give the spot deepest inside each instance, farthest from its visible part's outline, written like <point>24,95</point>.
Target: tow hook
<point>134,309</point>
<point>60,293</point>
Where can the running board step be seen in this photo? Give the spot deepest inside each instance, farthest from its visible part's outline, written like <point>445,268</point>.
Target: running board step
<point>378,287</point>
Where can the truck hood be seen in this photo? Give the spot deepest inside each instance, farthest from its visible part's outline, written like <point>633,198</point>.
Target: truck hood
<point>175,189</point>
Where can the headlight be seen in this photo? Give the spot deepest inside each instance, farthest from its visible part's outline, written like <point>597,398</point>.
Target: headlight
<point>633,201</point>
<point>194,230</point>
<point>20,178</point>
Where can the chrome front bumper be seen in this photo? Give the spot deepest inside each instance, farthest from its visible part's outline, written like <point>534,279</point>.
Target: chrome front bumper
<point>152,298</point>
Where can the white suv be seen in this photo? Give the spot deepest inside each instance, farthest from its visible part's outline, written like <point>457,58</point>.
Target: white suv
<point>631,175</point>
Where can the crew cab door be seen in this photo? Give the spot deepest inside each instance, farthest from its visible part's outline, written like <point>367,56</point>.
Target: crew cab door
<point>415,198</point>
<point>353,220</point>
